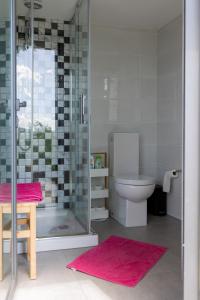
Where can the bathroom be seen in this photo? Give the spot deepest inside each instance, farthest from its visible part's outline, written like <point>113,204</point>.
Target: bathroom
<point>78,83</point>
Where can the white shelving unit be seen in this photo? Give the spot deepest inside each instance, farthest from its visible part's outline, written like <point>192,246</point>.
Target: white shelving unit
<point>99,194</point>
<point>102,193</point>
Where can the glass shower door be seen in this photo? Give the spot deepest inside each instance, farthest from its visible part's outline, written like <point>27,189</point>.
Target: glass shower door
<point>7,147</point>
<point>53,122</point>
<point>80,115</point>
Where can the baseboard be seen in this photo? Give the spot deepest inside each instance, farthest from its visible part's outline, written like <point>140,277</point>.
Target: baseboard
<point>174,216</point>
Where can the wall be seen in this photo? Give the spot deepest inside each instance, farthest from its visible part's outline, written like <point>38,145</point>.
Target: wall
<point>170,108</point>
<point>124,89</point>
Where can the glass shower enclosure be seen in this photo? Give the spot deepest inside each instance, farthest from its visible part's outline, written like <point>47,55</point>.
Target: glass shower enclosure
<point>44,119</point>
<point>53,112</point>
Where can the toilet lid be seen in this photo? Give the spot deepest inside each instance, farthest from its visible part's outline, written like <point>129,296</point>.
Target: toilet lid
<point>135,180</point>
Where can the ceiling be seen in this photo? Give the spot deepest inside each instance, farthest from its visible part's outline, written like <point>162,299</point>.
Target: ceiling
<point>124,14</point>
<point>135,14</point>
<point>54,9</point>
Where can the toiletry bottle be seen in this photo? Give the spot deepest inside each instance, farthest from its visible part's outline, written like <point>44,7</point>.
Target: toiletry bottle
<point>98,162</point>
<point>91,161</point>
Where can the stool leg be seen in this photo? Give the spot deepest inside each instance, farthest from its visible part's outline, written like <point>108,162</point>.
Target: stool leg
<point>28,249</point>
<point>1,243</point>
<point>33,242</point>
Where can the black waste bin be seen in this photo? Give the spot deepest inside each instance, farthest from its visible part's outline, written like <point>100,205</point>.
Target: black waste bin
<point>157,203</point>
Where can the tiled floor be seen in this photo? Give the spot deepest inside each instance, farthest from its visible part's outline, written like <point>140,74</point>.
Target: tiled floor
<point>55,282</point>
<point>5,283</point>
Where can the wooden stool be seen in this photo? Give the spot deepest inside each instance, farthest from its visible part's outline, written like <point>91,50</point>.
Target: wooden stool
<point>29,233</point>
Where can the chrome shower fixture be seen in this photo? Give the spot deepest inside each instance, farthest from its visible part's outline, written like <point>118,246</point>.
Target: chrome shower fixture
<point>37,4</point>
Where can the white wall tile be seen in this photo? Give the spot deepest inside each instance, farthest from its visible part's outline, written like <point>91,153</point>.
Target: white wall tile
<point>170,109</point>
<point>124,88</point>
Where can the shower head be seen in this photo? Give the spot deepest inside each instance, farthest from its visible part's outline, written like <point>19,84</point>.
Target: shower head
<point>37,4</point>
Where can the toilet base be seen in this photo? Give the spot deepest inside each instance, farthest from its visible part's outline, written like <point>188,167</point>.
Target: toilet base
<point>130,214</point>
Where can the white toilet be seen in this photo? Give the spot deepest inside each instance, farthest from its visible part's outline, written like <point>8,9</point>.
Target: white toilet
<point>129,190</point>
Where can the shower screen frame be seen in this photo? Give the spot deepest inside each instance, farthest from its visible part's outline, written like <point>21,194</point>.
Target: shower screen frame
<point>10,138</point>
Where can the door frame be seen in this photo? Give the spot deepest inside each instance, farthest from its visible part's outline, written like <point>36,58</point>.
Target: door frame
<point>191,148</point>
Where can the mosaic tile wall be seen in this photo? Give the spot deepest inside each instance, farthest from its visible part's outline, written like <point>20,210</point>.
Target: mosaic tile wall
<point>50,149</point>
<point>48,159</point>
<point>5,125</point>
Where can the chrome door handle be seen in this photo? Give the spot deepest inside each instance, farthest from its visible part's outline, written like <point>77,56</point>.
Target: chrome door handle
<point>82,109</point>
<point>20,104</point>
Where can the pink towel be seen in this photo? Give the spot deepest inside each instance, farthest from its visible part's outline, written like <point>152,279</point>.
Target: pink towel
<point>26,192</point>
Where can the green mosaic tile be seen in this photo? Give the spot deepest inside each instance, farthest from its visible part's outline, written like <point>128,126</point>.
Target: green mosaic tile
<point>28,168</point>
<point>54,168</point>
<point>22,155</point>
<point>35,148</point>
<point>27,142</point>
<point>35,162</point>
<point>41,154</point>
<point>47,161</point>
<point>40,135</point>
<point>48,146</point>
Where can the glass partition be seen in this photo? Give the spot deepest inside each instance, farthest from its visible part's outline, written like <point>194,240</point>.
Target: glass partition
<point>7,147</point>
<point>53,122</point>
<point>80,113</point>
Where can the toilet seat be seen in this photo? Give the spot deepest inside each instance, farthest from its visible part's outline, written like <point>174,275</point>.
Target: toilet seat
<point>137,180</point>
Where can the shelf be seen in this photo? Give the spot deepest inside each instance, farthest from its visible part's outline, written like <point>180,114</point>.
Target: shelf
<point>98,176</point>
<point>99,172</point>
<point>97,194</point>
<point>99,213</point>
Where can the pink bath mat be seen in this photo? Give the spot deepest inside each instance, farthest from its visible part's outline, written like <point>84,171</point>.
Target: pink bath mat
<point>119,260</point>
